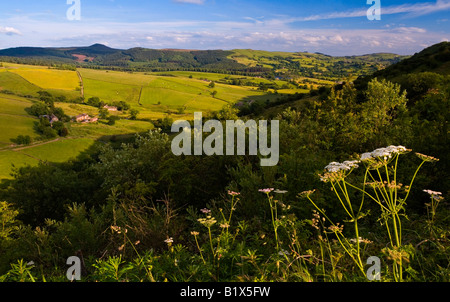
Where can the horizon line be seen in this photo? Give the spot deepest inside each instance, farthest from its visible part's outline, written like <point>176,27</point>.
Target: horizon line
<point>211,49</point>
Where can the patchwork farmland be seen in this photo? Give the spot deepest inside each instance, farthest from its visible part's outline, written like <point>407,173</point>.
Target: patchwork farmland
<point>176,95</point>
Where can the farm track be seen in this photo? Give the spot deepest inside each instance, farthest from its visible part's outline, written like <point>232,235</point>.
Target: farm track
<point>21,115</point>
<point>81,83</point>
<point>140,95</point>
<point>15,100</point>
<point>13,147</point>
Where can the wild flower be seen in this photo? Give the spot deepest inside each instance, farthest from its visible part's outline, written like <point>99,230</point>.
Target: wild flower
<point>334,167</point>
<point>205,211</point>
<point>118,229</point>
<point>115,228</point>
<point>332,176</point>
<point>208,221</point>
<point>396,254</point>
<point>306,193</point>
<point>195,234</point>
<point>375,184</point>
<point>433,193</point>
<point>315,220</point>
<point>232,193</point>
<point>393,185</point>
<point>336,228</point>
<point>426,158</point>
<point>169,242</point>
<point>366,241</point>
<point>436,198</point>
<point>267,191</point>
<point>383,153</point>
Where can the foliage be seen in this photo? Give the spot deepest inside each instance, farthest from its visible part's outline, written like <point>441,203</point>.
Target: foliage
<point>22,140</point>
<point>133,211</point>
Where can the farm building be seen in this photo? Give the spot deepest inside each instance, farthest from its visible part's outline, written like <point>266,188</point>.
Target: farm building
<point>51,118</point>
<point>82,118</point>
<point>110,108</point>
<point>85,118</point>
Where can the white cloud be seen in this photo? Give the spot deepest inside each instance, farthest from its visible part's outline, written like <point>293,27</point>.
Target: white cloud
<point>412,9</point>
<point>9,31</point>
<point>274,34</point>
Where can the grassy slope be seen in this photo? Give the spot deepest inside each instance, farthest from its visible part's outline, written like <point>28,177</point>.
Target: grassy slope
<point>14,120</point>
<point>58,151</point>
<point>319,64</point>
<point>28,80</point>
<point>49,78</point>
<point>15,83</point>
<point>7,158</point>
<point>161,95</point>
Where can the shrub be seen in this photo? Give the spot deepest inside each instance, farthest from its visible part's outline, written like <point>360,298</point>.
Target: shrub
<point>22,140</point>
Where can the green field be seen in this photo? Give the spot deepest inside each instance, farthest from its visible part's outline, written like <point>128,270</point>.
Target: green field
<point>157,94</point>
<point>15,125</point>
<point>49,78</point>
<point>14,120</point>
<point>101,129</point>
<point>58,151</point>
<point>8,158</point>
<point>27,80</point>
<point>11,104</point>
<point>16,84</point>
<point>176,94</point>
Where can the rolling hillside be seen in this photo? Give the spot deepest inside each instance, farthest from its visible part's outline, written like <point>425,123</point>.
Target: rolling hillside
<point>176,90</point>
<point>155,95</point>
<point>239,61</point>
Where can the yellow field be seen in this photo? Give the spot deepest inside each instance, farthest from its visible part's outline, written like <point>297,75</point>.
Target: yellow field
<point>49,78</point>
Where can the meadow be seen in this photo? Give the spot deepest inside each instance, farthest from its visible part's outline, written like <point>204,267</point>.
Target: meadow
<point>157,94</point>
<point>176,94</point>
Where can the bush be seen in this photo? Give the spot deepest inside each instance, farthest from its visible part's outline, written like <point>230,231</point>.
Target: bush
<point>22,140</point>
<point>133,114</point>
<point>112,119</point>
<point>38,109</point>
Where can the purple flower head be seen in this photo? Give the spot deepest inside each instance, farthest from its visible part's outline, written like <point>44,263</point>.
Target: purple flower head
<point>232,193</point>
<point>267,191</point>
<point>205,211</point>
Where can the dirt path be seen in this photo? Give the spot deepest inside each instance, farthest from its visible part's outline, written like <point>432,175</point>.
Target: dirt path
<point>140,95</point>
<point>33,145</point>
<point>81,83</point>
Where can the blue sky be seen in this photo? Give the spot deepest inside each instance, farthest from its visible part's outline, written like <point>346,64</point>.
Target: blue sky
<point>327,26</point>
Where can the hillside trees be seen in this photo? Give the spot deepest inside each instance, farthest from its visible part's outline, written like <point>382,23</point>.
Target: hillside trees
<point>22,140</point>
<point>46,111</point>
<point>384,103</point>
<point>142,185</point>
<point>133,114</point>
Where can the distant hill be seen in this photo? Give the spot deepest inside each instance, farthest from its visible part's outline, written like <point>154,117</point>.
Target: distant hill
<point>434,59</point>
<point>286,65</point>
<point>57,53</point>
